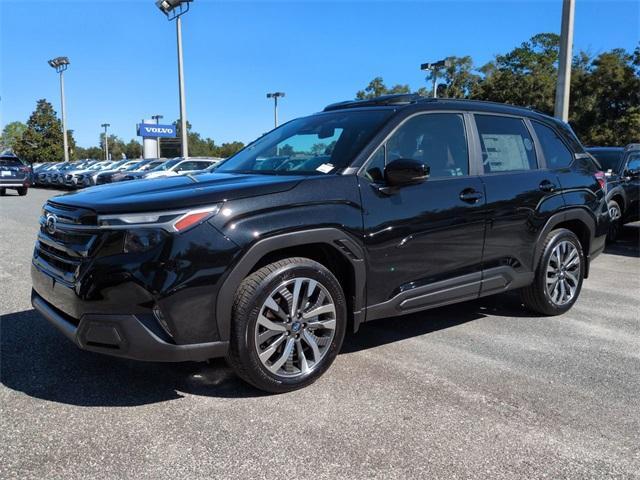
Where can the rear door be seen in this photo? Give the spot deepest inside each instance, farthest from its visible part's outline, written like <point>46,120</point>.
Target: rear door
<point>521,195</point>
<point>424,241</point>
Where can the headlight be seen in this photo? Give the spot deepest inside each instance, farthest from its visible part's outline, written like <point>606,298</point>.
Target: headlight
<point>175,221</point>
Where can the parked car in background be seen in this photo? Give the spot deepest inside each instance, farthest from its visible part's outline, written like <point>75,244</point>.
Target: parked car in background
<point>80,177</point>
<point>622,169</point>
<point>377,208</point>
<point>139,170</point>
<point>107,175</point>
<point>183,167</point>
<point>14,174</point>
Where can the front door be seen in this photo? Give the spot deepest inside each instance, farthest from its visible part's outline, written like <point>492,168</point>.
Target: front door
<point>423,242</point>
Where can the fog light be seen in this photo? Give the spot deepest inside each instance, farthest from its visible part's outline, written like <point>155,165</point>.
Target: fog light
<point>161,320</point>
<point>141,240</point>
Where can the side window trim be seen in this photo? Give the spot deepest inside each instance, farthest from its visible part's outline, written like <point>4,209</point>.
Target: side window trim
<point>542,160</point>
<point>479,146</point>
<point>383,143</point>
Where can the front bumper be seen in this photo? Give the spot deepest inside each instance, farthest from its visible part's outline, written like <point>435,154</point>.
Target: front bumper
<point>125,336</point>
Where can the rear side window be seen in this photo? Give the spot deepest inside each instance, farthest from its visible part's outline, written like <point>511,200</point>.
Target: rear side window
<point>506,144</point>
<point>555,151</point>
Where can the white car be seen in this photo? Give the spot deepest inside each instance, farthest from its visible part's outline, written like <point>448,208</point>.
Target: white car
<point>183,167</point>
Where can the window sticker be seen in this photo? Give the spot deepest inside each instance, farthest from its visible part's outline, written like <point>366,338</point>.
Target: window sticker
<point>325,168</point>
<point>505,152</point>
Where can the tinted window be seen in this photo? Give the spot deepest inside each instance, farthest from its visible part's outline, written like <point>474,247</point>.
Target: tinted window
<point>608,159</point>
<point>438,140</point>
<point>10,162</point>
<point>555,152</point>
<point>506,144</point>
<point>633,163</point>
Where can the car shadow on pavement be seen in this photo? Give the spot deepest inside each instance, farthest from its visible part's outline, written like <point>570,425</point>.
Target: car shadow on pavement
<point>39,361</point>
<point>389,330</point>
<point>628,243</point>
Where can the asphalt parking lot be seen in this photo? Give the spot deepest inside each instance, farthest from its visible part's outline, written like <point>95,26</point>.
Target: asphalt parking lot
<point>478,390</point>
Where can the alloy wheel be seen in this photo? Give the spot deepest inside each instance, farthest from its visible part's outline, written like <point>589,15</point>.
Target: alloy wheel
<point>295,327</point>
<point>563,273</point>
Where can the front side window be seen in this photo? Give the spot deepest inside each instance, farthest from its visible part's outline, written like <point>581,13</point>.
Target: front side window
<point>506,144</point>
<point>320,144</point>
<point>437,140</point>
<point>555,151</point>
<point>633,164</point>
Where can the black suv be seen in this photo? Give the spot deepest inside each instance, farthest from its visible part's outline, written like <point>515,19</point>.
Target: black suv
<point>368,209</point>
<point>622,168</point>
<point>14,174</point>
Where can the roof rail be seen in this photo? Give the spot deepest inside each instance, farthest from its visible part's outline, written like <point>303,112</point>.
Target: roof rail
<point>393,99</point>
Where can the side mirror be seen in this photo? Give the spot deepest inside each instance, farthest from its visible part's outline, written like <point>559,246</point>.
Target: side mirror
<point>404,171</point>
<point>634,173</point>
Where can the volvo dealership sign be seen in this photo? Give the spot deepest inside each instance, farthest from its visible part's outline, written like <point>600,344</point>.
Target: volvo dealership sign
<point>151,130</point>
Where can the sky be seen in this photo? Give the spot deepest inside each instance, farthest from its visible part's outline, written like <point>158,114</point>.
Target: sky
<point>124,62</point>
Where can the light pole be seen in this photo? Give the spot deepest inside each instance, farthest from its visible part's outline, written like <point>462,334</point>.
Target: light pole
<point>275,96</point>
<point>563,86</point>
<point>61,64</point>
<point>433,68</point>
<point>106,140</point>
<point>157,119</point>
<point>174,9</point>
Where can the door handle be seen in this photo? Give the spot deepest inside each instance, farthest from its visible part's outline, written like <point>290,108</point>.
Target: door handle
<point>547,186</point>
<point>470,195</point>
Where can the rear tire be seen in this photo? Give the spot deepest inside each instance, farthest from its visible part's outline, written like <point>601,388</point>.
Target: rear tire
<point>3,192</point>
<point>23,191</point>
<point>559,275</point>
<point>275,344</point>
<point>615,212</point>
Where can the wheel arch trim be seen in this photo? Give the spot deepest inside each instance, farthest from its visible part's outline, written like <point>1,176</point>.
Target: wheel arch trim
<point>330,236</point>
<point>580,214</point>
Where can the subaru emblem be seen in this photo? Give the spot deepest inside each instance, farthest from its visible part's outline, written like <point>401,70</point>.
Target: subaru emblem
<point>50,223</point>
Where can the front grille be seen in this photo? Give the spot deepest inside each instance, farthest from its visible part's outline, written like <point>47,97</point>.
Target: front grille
<point>63,251</point>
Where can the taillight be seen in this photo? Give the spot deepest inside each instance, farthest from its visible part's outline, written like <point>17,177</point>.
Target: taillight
<point>25,169</point>
<point>602,180</point>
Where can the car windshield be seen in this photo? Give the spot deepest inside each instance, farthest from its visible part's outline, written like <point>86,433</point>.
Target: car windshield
<point>166,165</point>
<point>608,159</point>
<point>320,144</point>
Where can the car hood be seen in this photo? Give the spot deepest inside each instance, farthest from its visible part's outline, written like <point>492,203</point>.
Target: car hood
<point>176,192</point>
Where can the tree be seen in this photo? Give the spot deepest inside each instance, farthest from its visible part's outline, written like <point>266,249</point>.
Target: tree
<point>133,149</point>
<point>227,149</point>
<point>116,147</point>
<point>525,76</point>
<point>459,79</point>
<point>11,134</point>
<point>377,88</point>
<point>42,140</point>
<point>605,98</point>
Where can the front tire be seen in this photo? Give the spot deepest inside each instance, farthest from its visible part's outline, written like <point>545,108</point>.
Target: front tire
<point>559,275</point>
<point>288,325</point>
<point>22,191</point>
